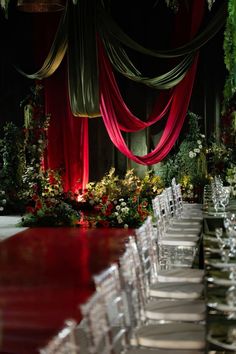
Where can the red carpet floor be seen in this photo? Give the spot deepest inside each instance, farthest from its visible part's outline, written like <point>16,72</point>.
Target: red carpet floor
<point>45,273</point>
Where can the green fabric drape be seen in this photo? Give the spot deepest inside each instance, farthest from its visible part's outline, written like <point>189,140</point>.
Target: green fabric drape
<point>82,60</point>
<point>122,63</point>
<point>111,32</point>
<point>56,53</point>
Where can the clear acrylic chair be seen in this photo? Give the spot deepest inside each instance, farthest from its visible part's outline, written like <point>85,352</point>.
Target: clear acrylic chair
<point>149,336</point>
<point>185,210</point>
<point>173,249</point>
<point>96,326</point>
<point>103,334</point>
<point>143,307</point>
<point>152,268</point>
<point>189,227</point>
<point>65,342</point>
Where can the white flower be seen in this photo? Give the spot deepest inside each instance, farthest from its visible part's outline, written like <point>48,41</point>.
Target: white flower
<point>118,207</point>
<point>123,204</point>
<point>199,142</point>
<point>200,146</point>
<point>1,208</point>
<point>197,150</point>
<point>121,199</point>
<point>202,135</point>
<point>126,226</point>
<point>119,220</point>
<point>115,213</point>
<point>125,210</point>
<point>191,154</point>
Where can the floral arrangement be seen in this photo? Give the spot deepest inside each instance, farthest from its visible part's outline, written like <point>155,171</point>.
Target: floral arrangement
<point>116,202</point>
<point>49,211</point>
<point>219,157</point>
<point>49,205</point>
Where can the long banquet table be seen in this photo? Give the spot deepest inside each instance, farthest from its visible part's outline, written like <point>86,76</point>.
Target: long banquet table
<point>45,273</point>
<point>221,330</point>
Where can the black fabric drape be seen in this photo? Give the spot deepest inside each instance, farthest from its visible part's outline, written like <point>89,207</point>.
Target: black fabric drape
<point>56,53</point>
<point>110,30</point>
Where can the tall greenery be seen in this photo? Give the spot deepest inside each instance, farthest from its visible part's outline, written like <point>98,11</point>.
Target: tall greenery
<point>230,52</point>
<point>12,161</point>
<point>188,163</point>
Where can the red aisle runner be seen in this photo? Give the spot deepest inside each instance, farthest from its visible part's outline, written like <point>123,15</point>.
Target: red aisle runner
<point>45,273</point>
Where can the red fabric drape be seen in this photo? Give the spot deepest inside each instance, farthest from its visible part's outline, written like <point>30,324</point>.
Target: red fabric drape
<point>117,117</point>
<point>127,121</point>
<point>178,109</point>
<point>67,136</point>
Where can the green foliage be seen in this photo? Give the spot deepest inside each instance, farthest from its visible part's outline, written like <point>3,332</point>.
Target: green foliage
<point>189,160</point>
<point>229,46</point>
<point>12,154</point>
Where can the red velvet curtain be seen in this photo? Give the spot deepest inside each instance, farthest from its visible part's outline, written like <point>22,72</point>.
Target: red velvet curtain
<point>116,115</point>
<point>67,136</point>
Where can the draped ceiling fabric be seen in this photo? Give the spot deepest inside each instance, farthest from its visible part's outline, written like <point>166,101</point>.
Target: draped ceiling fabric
<point>114,109</point>
<point>112,113</point>
<point>83,77</point>
<point>77,31</point>
<point>82,60</point>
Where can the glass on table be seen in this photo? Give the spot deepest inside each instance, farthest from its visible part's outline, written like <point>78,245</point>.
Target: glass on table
<point>224,245</point>
<point>231,302</point>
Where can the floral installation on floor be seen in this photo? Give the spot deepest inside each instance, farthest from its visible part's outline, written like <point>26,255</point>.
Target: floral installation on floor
<point>28,187</point>
<point>49,205</point>
<point>119,202</point>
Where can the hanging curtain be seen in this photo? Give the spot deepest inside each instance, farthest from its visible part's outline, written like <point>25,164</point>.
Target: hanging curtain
<point>127,121</point>
<point>56,52</point>
<point>123,65</point>
<point>67,149</point>
<point>82,59</point>
<point>178,109</point>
